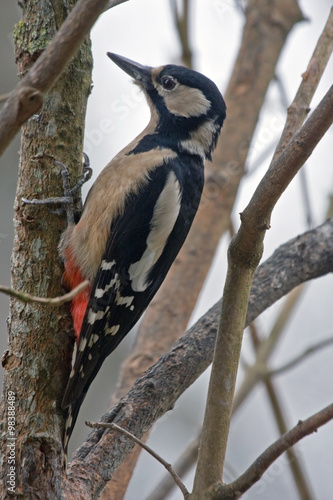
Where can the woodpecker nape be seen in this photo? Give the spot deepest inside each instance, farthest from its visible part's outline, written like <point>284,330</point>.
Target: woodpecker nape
<point>137,215</point>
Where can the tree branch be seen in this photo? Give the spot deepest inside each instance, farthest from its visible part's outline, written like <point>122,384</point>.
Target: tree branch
<point>182,26</point>
<point>301,357</point>
<point>299,108</point>
<point>161,460</point>
<point>265,349</point>
<point>184,463</point>
<point>55,301</point>
<point>294,462</point>
<point>27,97</point>
<point>157,390</point>
<point>235,489</point>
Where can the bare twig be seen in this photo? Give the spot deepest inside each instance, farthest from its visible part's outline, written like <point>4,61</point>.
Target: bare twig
<point>182,26</point>
<point>301,357</point>
<point>294,462</point>
<point>299,108</point>
<point>168,467</point>
<point>184,463</point>
<point>235,489</point>
<point>55,301</point>
<point>258,370</point>
<point>302,175</point>
<point>4,97</point>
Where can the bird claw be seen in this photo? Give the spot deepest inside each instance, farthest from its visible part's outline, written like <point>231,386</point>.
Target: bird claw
<point>67,200</point>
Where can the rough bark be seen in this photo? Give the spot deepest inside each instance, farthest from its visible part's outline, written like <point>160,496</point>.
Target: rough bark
<point>37,361</point>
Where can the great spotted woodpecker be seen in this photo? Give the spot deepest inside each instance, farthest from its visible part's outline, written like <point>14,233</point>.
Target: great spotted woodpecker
<point>137,215</point>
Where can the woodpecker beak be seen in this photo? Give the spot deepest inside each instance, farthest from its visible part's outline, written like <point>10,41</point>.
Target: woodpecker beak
<point>141,74</point>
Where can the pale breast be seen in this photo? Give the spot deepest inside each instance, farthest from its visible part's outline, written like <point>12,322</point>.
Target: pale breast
<point>124,175</point>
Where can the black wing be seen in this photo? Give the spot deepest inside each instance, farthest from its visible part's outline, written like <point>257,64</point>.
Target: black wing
<point>130,275</point>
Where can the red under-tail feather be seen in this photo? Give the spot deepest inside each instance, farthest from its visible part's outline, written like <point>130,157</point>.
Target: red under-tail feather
<point>72,278</point>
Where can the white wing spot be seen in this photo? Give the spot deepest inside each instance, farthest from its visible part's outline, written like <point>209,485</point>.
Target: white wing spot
<point>99,292</point>
<point>89,357</point>
<point>68,425</point>
<point>69,419</point>
<point>82,344</point>
<point>100,314</point>
<point>162,223</point>
<point>95,316</point>
<point>93,339</point>
<point>91,317</point>
<point>124,301</point>
<point>105,266</point>
<point>112,330</point>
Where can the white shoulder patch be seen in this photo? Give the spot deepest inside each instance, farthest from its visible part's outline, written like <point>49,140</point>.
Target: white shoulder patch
<point>162,223</point>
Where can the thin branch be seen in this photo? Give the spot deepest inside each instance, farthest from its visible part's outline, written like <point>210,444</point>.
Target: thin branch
<point>27,98</point>
<point>302,175</point>
<point>182,27</point>
<point>55,302</point>
<point>184,463</point>
<point>301,357</point>
<point>4,97</point>
<point>168,467</point>
<point>235,489</point>
<point>258,370</point>
<point>294,462</point>
<point>299,108</point>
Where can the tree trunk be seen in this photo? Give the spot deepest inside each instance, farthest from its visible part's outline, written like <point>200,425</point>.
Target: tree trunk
<point>38,357</point>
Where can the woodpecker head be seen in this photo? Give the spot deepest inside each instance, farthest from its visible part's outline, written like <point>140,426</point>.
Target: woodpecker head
<point>187,108</point>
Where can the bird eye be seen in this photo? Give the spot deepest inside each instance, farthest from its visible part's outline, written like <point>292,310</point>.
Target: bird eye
<point>168,83</point>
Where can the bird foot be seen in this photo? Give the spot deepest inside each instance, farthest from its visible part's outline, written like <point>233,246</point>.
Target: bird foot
<point>67,201</point>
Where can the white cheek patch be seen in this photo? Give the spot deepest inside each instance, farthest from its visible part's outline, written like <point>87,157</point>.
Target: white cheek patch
<point>201,139</point>
<point>186,101</point>
<point>162,223</point>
